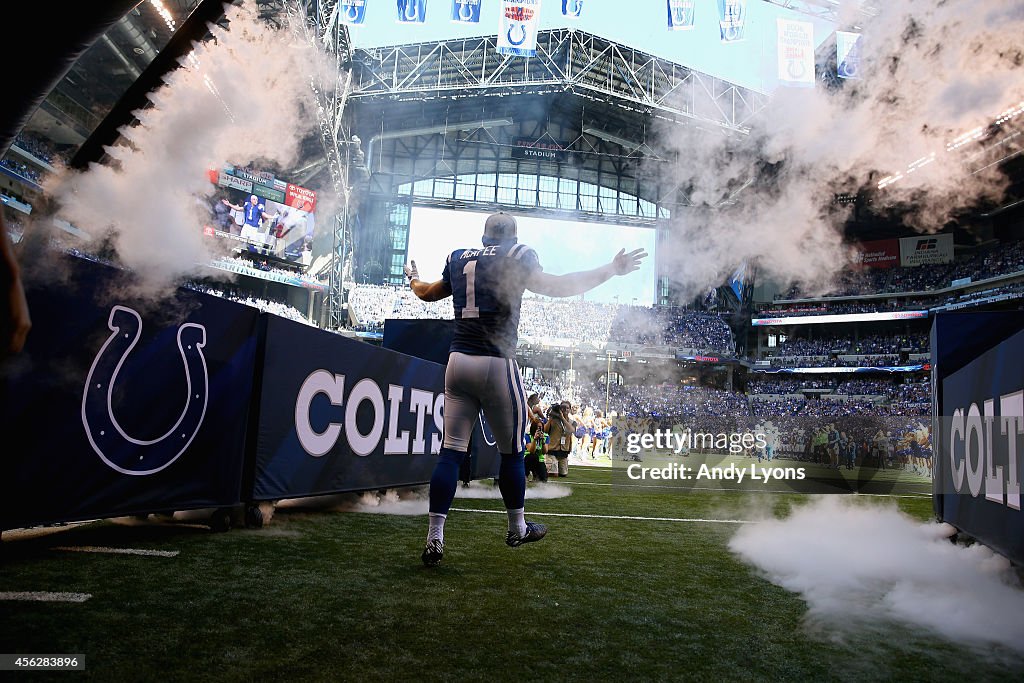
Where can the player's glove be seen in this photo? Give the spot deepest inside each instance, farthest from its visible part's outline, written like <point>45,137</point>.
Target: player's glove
<point>411,273</point>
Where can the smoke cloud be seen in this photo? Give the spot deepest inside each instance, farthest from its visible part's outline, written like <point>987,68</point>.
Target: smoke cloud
<point>411,501</point>
<point>243,96</point>
<point>931,72</point>
<point>857,565</point>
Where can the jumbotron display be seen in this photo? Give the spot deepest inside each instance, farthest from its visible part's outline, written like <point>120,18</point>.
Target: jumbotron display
<point>563,247</point>
<point>266,215</point>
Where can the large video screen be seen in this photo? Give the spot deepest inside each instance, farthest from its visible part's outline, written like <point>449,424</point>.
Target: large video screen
<point>563,247</point>
<point>265,215</point>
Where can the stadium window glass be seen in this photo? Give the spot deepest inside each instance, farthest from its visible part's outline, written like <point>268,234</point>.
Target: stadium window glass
<point>647,208</point>
<point>444,188</point>
<point>609,200</point>
<point>465,187</point>
<point>485,190</point>
<point>527,190</point>
<point>507,188</point>
<point>424,188</point>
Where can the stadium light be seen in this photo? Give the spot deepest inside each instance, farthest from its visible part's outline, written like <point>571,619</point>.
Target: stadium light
<point>428,130</point>
<point>604,135</point>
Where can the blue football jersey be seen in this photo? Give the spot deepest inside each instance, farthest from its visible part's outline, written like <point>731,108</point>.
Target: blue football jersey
<point>487,287</point>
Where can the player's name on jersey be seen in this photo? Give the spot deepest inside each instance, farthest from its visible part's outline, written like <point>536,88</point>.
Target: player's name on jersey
<point>486,251</point>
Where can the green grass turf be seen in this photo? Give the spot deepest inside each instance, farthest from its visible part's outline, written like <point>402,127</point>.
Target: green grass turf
<point>342,596</point>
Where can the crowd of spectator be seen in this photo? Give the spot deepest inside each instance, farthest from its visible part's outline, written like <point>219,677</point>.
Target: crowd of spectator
<point>672,326</point>
<point>1003,259</point>
<point>39,147</point>
<point>275,307</point>
<point>22,169</point>
<point>889,434</point>
<point>565,321</point>
<point>873,350</point>
<point>243,265</point>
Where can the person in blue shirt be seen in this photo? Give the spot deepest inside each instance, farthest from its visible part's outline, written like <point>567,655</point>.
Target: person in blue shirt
<point>486,285</point>
<point>253,217</point>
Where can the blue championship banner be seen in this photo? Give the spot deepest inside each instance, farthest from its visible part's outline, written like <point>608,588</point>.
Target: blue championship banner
<point>681,15</point>
<point>572,8</point>
<point>353,12</point>
<point>120,406</point>
<point>847,54</point>
<point>466,11</point>
<point>340,415</point>
<point>979,426</point>
<point>733,19</point>
<point>412,11</point>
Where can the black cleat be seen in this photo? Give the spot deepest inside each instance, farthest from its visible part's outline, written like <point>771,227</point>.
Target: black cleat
<point>534,532</point>
<point>433,553</point>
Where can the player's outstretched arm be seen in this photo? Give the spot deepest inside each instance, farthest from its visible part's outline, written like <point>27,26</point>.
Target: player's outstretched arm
<point>572,284</point>
<point>14,317</point>
<point>427,291</point>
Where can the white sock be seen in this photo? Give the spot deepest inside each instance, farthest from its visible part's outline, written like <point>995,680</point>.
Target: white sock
<point>517,521</point>
<point>436,530</point>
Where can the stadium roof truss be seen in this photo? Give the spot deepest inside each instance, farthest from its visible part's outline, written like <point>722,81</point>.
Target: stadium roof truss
<point>567,61</point>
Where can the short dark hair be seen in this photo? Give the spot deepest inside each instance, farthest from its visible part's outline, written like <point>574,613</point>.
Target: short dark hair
<point>533,400</point>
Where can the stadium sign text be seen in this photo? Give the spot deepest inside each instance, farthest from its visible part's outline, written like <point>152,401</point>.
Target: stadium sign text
<point>422,402</point>
<point>971,452</point>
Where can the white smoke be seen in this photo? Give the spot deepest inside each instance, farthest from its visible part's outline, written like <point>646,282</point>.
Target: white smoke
<point>857,565</point>
<point>537,492</point>
<point>244,96</point>
<point>931,71</point>
<point>410,501</point>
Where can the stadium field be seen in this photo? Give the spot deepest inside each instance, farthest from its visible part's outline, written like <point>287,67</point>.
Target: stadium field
<point>339,593</point>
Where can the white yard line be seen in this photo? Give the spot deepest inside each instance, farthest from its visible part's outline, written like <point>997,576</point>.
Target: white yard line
<point>644,519</point>
<point>44,596</point>
<point>117,551</point>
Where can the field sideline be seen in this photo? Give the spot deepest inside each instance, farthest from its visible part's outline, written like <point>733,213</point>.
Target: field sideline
<point>327,595</point>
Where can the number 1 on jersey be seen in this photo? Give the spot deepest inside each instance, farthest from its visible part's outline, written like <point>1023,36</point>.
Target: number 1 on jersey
<point>470,310</point>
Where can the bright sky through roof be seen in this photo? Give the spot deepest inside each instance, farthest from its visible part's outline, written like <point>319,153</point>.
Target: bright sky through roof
<point>637,23</point>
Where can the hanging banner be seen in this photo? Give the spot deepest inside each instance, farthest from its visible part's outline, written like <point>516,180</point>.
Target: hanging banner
<point>466,11</point>
<point>517,27</point>
<point>572,8</point>
<point>680,15</point>
<point>847,54</point>
<point>352,12</point>
<point>879,253</point>
<point>412,11</point>
<point>733,19</point>
<point>926,251</point>
<point>796,53</point>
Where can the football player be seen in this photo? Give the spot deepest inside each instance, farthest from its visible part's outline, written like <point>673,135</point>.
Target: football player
<point>486,285</point>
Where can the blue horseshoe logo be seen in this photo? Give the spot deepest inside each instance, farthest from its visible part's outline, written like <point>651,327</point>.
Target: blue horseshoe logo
<point>465,11</point>
<point>512,28</point>
<point>351,13</point>
<point>117,449</point>
<point>485,429</point>
<point>573,7</point>
<point>796,69</point>
<point>414,6</point>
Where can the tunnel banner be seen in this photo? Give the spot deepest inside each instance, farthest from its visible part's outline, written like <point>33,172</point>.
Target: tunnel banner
<point>340,415</point>
<point>120,405</point>
<point>979,427</point>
